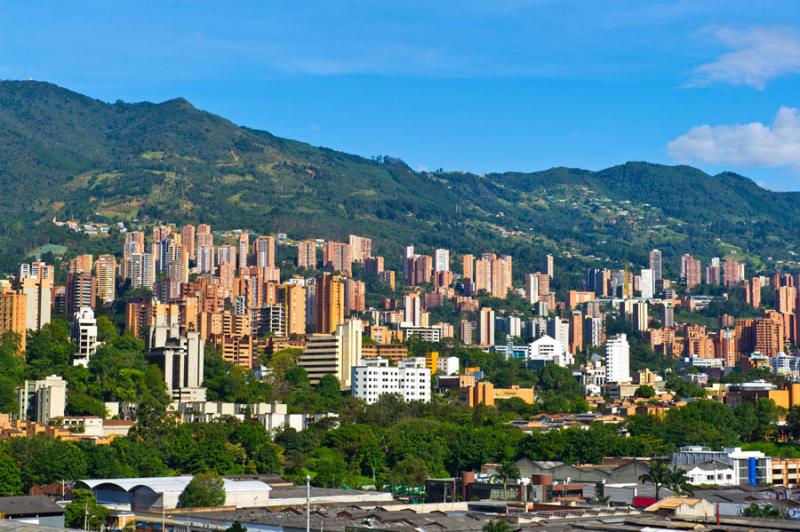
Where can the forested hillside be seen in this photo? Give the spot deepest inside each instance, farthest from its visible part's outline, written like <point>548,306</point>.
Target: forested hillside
<point>66,155</point>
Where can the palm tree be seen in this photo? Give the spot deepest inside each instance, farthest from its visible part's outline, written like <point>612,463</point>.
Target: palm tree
<point>505,472</point>
<point>658,476</point>
<point>602,499</point>
<point>678,481</point>
<point>498,525</point>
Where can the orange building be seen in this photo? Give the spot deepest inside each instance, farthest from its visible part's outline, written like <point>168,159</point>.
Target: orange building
<point>484,393</point>
<point>329,303</point>
<point>13,308</point>
<point>575,298</point>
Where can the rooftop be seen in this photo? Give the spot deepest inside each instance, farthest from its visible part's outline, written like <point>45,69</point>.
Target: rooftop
<point>29,505</point>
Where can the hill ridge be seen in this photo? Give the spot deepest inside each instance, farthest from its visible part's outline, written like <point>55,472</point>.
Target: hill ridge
<point>66,154</point>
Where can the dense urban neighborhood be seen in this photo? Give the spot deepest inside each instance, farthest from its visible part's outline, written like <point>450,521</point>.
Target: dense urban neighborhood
<point>453,266</point>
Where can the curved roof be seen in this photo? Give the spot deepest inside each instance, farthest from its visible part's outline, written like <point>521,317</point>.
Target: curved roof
<point>170,484</point>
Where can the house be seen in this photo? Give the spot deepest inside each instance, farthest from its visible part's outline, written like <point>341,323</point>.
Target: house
<point>683,507</point>
<point>714,472</point>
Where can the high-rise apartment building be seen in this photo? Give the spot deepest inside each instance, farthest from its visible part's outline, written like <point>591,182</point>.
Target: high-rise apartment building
<point>486,327</point>
<point>501,272</point>
<point>422,269</point>
<point>42,400</point>
<point>647,283</point>
<point>618,359</point>
<point>307,254</point>
<point>412,309</point>
<point>532,288</point>
<point>336,257</point>
<point>576,332</point>
<point>333,354</point>
<point>752,292</point>
<point>205,259</point>
<point>691,269</point>
<point>189,239</point>
<point>106,272</point>
<point>293,297</point>
<point>408,264</point>
<point>226,254</point>
<point>656,264</point>
<point>640,316</point>
<point>668,318</point>
<point>466,332</point>
<point>81,291</point>
<point>329,303</point>
<point>441,260</point>
<point>142,271</point>
<point>355,296</point>
<point>13,315</point>
<point>243,250</point>
<point>733,272</point>
<point>265,251</point>
<point>467,267</point>
<point>84,334</point>
<point>37,289</point>
<point>549,266</point>
<point>360,248</point>
<point>483,275</point>
<point>180,357</point>
<point>81,264</point>
<point>714,272</point>
<point>204,236</point>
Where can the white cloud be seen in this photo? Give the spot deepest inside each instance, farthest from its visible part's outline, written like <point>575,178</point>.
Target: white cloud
<point>759,55</point>
<point>745,145</point>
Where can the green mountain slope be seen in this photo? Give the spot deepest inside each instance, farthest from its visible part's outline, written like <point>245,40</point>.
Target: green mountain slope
<point>66,155</point>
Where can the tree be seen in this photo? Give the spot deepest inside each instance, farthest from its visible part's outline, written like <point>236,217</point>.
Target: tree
<point>678,482</point>
<point>644,392</point>
<point>793,422</point>
<point>329,468</point>
<point>236,527</point>
<point>659,475</point>
<point>10,479</point>
<point>205,490</point>
<point>84,510</point>
<point>602,499</point>
<point>768,511</point>
<point>268,458</point>
<point>505,472</point>
<point>42,460</point>
<point>497,525</point>
<point>409,472</point>
<point>106,330</point>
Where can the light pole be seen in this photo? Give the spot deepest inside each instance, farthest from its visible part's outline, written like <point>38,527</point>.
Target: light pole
<point>308,503</point>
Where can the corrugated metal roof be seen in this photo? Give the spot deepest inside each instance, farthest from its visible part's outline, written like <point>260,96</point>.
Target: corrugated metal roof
<point>29,505</point>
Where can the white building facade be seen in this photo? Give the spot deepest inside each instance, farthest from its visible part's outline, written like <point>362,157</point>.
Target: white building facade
<point>373,378</point>
<point>618,354</point>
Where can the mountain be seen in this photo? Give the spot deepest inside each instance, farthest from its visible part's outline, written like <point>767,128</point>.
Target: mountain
<point>67,155</point>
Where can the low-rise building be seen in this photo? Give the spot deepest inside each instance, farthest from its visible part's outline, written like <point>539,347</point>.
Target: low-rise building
<point>749,467</point>
<point>374,378</point>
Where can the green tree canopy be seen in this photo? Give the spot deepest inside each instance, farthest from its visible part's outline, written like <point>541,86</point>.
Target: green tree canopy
<point>205,490</point>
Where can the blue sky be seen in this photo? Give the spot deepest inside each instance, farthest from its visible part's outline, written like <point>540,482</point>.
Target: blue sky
<point>463,85</point>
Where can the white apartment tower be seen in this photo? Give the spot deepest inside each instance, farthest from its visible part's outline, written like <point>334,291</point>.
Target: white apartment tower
<point>647,283</point>
<point>441,262</point>
<point>84,334</point>
<point>618,359</point>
